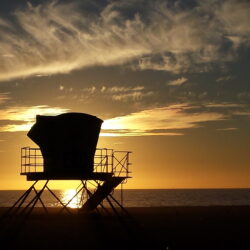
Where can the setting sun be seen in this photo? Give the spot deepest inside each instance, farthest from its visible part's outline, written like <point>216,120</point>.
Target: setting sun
<point>68,194</point>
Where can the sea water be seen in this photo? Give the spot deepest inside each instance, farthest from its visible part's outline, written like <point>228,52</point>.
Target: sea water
<point>145,197</point>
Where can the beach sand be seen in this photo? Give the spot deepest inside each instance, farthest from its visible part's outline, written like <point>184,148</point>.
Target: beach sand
<point>181,228</point>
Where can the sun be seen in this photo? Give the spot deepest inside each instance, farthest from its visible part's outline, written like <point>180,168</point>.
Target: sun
<point>67,196</point>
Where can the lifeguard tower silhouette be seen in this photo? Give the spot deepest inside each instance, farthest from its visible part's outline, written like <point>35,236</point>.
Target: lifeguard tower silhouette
<point>68,152</point>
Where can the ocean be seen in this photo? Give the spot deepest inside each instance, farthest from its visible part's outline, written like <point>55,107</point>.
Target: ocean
<point>147,197</point>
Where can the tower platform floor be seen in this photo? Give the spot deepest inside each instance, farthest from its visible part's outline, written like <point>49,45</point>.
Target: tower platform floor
<point>68,176</point>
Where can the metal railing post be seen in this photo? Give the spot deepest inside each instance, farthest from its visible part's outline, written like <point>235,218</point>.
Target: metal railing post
<point>35,159</point>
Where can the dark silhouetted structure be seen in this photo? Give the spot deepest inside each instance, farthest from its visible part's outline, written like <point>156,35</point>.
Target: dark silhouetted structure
<point>68,152</point>
<point>67,142</point>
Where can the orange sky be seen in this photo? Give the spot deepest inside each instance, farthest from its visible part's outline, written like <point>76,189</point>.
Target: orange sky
<point>172,162</point>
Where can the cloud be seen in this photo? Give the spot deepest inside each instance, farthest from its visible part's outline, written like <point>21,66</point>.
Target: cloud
<point>120,89</point>
<point>170,120</point>
<point>227,129</point>
<point>223,79</point>
<point>135,96</point>
<point>4,97</point>
<point>118,93</point>
<point>235,17</point>
<point>173,120</point>
<point>223,105</point>
<point>177,82</point>
<point>22,118</point>
<point>90,90</point>
<point>56,37</point>
<point>124,94</point>
<point>159,121</point>
<point>242,113</point>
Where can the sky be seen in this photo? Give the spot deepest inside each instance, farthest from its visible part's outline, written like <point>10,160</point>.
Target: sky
<point>169,78</point>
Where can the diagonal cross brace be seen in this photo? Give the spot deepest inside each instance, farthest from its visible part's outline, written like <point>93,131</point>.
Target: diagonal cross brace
<point>102,193</point>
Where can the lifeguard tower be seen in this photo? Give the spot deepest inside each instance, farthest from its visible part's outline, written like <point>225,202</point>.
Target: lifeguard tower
<point>67,151</point>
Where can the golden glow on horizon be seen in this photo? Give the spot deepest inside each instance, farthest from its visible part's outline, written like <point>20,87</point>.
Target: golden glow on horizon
<point>15,128</point>
<point>157,120</point>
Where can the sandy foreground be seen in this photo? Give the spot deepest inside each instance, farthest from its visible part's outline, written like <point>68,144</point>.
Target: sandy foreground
<point>148,228</point>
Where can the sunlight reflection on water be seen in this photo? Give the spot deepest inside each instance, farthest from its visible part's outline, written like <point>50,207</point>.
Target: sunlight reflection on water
<point>71,196</point>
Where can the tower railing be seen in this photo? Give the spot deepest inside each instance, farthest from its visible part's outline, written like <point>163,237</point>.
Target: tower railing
<point>105,161</point>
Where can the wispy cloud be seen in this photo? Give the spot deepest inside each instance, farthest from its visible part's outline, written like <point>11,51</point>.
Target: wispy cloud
<point>135,96</point>
<point>223,105</point>
<point>227,129</point>
<point>56,37</point>
<point>171,120</point>
<point>174,119</point>
<point>125,94</point>
<point>158,121</point>
<point>177,82</point>
<point>22,118</point>
<point>224,78</point>
<point>4,97</point>
<point>122,89</point>
<point>235,17</point>
<point>242,113</point>
<point>118,93</point>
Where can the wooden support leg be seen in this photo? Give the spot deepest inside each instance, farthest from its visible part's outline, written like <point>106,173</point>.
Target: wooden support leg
<point>17,205</point>
<point>90,194</point>
<point>33,202</point>
<point>44,207</point>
